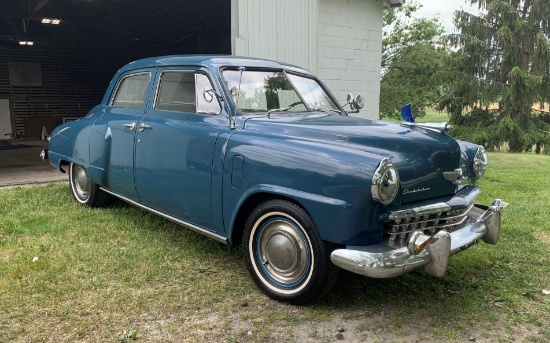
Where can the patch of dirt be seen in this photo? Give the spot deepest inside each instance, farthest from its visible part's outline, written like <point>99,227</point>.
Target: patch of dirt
<point>544,237</point>
<point>252,324</point>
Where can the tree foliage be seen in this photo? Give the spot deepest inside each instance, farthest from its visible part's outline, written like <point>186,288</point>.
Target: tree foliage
<point>500,70</point>
<point>411,61</point>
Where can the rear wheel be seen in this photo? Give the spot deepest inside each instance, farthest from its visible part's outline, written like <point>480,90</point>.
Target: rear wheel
<point>285,254</point>
<point>84,189</point>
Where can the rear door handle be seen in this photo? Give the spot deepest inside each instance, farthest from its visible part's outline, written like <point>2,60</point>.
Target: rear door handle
<point>142,127</point>
<point>131,126</point>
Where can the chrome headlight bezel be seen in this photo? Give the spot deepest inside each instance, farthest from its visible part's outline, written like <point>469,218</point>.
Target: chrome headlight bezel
<point>385,182</point>
<point>480,162</point>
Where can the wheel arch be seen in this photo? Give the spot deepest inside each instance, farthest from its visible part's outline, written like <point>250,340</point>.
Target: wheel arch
<point>95,174</point>
<point>248,205</point>
<point>64,165</point>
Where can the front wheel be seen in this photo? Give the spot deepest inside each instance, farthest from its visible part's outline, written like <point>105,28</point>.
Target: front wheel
<point>285,254</point>
<point>84,189</point>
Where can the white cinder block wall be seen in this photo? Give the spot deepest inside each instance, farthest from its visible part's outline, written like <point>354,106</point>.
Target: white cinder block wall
<point>350,49</point>
<point>338,40</point>
<point>280,30</point>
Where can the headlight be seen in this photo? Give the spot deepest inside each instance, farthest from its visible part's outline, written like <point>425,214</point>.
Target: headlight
<point>385,182</point>
<point>480,162</point>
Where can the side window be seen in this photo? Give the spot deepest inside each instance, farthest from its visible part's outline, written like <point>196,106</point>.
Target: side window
<point>131,91</point>
<point>176,92</point>
<point>207,101</point>
<point>184,91</point>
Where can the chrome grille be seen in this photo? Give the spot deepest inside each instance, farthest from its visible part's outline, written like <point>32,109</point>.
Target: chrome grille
<point>398,231</point>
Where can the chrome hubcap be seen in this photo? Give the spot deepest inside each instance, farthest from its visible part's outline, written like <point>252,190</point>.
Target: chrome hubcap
<point>82,182</point>
<point>283,251</point>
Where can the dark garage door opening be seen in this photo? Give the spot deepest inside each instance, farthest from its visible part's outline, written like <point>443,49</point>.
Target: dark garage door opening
<point>65,69</point>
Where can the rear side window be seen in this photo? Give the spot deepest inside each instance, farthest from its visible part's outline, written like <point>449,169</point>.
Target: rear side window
<point>131,91</point>
<point>186,91</point>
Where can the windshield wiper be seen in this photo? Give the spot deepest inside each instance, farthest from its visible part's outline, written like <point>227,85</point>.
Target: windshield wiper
<point>283,109</point>
<point>322,109</point>
<point>248,110</point>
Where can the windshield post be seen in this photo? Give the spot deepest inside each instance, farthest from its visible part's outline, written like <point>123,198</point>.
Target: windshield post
<point>297,92</point>
<point>234,118</point>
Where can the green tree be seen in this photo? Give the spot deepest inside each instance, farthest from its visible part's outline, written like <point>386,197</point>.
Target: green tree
<point>412,59</point>
<point>501,70</point>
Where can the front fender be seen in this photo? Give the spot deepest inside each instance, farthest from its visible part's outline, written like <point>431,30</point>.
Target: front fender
<point>331,182</point>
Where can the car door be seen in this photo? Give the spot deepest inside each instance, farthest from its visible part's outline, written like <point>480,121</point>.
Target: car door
<point>175,141</point>
<point>122,115</point>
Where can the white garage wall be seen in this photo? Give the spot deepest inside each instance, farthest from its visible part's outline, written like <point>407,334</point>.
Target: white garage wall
<point>350,49</point>
<point>282,30</point>
<point>339,40</point>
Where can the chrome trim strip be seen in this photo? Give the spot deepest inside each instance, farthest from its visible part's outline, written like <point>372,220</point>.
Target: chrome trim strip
<point>419,211</point>
<point>173,219</point>
<point>440,127</point>
<point>463,198</point>
<point>381,261</point>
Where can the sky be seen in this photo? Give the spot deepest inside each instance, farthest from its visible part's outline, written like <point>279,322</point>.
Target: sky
<point>444,10</point>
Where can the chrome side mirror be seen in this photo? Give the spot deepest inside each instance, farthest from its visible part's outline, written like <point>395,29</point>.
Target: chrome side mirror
<point>349,101</point>
<point>208,95</point>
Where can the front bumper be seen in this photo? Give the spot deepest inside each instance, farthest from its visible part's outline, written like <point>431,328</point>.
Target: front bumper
<point>383,261</point>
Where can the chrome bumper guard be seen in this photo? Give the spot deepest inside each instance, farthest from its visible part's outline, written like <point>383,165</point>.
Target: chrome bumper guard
<point>44,155</point>
<point>431,252</point>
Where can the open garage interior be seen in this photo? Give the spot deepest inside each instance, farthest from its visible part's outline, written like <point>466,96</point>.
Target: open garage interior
<point>58,56</point>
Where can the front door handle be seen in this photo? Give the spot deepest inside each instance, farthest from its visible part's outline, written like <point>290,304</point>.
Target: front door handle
<point>131,126</point>
<point>142,127</point>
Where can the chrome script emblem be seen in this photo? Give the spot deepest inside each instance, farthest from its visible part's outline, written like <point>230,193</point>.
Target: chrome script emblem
<point>408,191</point>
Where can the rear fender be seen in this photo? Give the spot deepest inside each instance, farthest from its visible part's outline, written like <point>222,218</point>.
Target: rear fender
<point>69,142</point>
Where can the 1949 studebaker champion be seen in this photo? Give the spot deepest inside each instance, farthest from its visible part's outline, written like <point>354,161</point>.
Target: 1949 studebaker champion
<point>257,152</point>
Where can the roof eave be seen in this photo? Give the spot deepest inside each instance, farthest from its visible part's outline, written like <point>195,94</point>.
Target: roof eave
<point>393,3</point>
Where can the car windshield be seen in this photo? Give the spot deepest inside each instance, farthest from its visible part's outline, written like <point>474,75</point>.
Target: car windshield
<point>271,91</point>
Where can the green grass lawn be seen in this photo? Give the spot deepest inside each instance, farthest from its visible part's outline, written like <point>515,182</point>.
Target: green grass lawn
<point>433,117</point>
<point>69,273</point>
<point>430,117</point>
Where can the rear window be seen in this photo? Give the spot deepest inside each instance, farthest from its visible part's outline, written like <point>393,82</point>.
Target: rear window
<point>131,91</point>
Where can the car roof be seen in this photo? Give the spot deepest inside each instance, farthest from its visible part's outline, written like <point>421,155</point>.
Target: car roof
<point>210,61</point>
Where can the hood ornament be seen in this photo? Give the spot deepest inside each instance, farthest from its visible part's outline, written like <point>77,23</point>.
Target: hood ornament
<point>407,115</point>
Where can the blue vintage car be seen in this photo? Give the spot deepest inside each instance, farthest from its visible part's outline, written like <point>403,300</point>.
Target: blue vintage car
<point>260,153</point>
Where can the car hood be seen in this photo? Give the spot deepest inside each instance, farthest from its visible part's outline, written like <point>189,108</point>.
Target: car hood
<point>421,155</point>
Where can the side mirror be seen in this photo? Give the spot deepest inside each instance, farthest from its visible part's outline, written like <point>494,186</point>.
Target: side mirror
<point>349,100</point>
<point>355,102</point>
<point>208,94</point>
